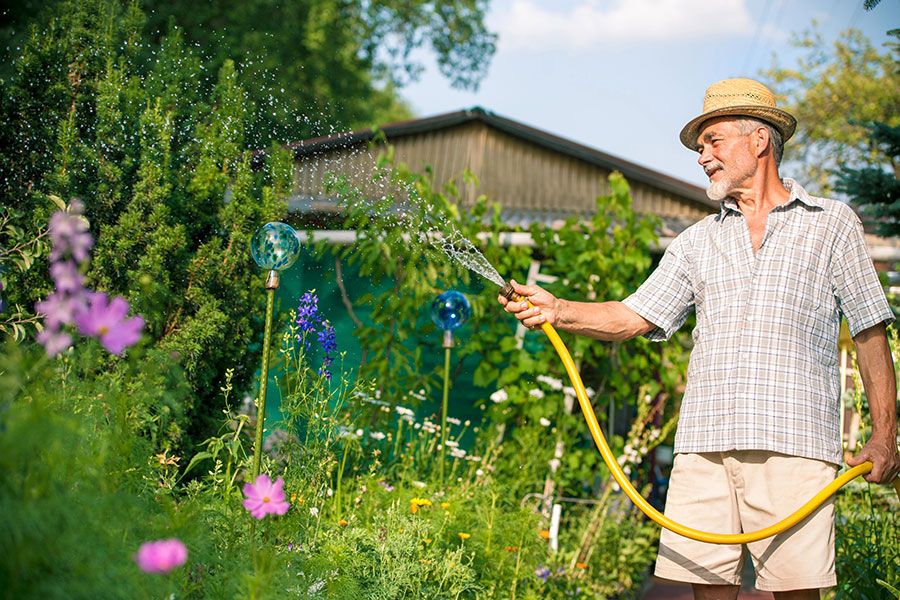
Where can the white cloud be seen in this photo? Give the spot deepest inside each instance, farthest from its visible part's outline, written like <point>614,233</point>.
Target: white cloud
<point>591,23</point>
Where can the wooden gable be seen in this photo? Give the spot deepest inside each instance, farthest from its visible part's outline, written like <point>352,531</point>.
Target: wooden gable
<point>532,174</point>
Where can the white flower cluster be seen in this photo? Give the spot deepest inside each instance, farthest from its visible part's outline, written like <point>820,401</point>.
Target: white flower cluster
<point>631,456</point>
<point>406,414</point>
<point>420,395</point>
<point>499,396</point>
<point>536,393</point>
<point>553,383</point>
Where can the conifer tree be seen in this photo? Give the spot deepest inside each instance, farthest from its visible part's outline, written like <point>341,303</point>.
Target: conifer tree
<point>876,191</point>
<point>169,185</point>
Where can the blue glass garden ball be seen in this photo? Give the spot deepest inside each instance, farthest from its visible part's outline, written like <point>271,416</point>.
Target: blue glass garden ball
<point>275,246</point>
<point>450,310</point>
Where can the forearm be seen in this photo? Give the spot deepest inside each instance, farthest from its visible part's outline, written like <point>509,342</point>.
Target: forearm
<point>876,368</point>
<point>610,321</point>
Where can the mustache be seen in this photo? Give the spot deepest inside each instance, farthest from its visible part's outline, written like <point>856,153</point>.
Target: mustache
<point>712,166</point>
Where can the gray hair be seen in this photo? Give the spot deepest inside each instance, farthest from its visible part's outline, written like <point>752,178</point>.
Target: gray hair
<point>748,125</point>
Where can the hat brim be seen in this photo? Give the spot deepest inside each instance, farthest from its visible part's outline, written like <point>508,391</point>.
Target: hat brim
<point>783,121</point>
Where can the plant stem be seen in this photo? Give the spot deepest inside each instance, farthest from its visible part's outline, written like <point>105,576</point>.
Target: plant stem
<point>263,382</point>
<point>444,411</point>
<point>490,525</point>
<point>340,476</point>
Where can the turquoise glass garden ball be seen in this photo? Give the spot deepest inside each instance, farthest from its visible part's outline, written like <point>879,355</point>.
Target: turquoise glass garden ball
<point>275,246</point>
<point>450,310</point>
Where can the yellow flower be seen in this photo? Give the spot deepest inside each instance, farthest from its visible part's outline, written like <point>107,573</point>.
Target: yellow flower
<point>414,507</point>
<point>545,533</point>
<point>445,505</point>
<point>465,536</point>
<point>427,540</point>
<point>581,565</point>
<point>342,522</point>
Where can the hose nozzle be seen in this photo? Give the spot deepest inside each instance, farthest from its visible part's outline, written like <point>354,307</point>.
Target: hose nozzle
<point>509,293</point>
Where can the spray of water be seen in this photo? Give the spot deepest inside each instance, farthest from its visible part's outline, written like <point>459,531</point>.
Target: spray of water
<point>459,249</point>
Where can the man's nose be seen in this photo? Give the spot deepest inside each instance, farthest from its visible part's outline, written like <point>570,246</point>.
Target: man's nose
<point>704,158</point>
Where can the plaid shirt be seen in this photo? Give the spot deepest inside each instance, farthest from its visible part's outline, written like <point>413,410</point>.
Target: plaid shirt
<point>763,373</point>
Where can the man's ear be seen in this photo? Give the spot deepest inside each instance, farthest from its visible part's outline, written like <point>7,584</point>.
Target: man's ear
<point>761,141</point>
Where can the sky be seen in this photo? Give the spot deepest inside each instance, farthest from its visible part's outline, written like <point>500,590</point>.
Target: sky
<point>624,76</point>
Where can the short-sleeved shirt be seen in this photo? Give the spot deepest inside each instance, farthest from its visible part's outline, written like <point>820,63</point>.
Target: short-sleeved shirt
<point>763,372</point>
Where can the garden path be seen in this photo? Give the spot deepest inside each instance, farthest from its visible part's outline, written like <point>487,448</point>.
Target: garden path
<point>660,589</point>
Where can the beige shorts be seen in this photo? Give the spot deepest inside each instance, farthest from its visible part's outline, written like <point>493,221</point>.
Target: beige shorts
<point>744,491</point>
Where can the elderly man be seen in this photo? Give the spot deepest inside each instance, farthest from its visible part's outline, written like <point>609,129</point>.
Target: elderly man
<point>769,277</point>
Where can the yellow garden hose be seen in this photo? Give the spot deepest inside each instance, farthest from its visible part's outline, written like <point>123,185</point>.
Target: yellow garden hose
<point>646,507</point>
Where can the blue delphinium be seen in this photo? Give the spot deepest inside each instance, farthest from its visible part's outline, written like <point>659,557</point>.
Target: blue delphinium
<point>310,320</point>
<point>308,313</point>
<point>329,345</point>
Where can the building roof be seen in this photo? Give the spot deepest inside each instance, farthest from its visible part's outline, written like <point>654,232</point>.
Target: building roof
<point>631,171</point>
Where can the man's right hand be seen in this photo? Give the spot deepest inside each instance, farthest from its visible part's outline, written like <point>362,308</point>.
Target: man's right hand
<point>541,306</point>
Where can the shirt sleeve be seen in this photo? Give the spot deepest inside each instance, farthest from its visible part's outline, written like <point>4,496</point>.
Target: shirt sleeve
<point>666,298</point>
<point>858,291</point>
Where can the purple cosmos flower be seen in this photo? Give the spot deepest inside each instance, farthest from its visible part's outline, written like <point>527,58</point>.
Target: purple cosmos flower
<point>265,497</point>
<point>106,321</point>
<point>161,556</point>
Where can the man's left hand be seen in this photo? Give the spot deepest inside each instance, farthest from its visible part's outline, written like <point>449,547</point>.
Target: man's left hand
<point>884,457</point>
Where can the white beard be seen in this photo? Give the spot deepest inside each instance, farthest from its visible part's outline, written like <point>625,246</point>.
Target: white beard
<point>718,190</point>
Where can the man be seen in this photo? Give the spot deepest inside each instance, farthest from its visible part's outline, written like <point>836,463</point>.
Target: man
<point>769,277</point>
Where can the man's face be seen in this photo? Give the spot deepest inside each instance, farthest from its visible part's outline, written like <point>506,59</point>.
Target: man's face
<point>725,156</point>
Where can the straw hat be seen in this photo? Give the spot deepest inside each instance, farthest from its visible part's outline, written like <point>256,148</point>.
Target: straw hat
<point>743,97</point>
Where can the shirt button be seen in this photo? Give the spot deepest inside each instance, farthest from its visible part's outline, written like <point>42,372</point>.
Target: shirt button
<point>745,355</point>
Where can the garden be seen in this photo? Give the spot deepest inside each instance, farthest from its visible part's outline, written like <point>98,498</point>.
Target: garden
<point>143,332</point>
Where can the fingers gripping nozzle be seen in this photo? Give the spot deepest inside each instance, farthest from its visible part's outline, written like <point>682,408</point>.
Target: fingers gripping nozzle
<point>509,293</point>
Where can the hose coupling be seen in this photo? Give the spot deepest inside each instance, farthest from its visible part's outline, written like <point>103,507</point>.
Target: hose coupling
<point>509,293</point>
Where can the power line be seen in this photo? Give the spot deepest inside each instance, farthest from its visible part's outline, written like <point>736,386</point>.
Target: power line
<point>759,27</point>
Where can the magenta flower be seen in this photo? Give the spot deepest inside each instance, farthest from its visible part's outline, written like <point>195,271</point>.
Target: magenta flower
<point>265,497</point>
<point>106,321</point>
<point>161,556</point>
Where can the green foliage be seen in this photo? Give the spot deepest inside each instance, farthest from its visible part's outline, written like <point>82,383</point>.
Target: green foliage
<point>868,543</point>
<point>394,249</point>
<point>867,525</point>
<point>876,191</point>
<point>833,91</point>
<point>78,483</point>
<point>337,62</point>
<point>168,182</point>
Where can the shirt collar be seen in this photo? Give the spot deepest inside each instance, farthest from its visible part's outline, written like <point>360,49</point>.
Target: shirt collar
<point>796,190</point>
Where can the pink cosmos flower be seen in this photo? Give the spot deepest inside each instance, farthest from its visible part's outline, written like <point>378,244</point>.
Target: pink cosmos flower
<point>161,556</point>
<point>265,497</point>
<point>106,321</point>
